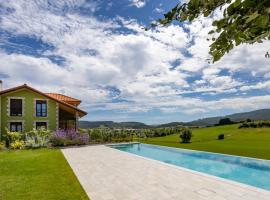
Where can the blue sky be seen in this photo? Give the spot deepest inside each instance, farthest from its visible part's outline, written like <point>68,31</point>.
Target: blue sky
<point>98,51</point>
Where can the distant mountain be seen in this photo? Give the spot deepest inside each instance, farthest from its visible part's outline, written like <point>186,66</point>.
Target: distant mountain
<point>263,114</point>
<point>111,124</point>
<point>172,124</point>
<point>95,124</point>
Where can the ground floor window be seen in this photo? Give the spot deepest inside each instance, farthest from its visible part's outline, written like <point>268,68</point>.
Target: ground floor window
<point>40,125</point>
<point>16,126</point>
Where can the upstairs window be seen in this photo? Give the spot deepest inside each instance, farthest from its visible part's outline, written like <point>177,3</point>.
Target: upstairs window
<point>15,107</point>
<point>41,108</point>
<point>40,125</point>
<point>15,126</point>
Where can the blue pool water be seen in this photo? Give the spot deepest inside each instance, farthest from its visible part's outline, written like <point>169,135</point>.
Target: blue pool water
<point>244,170</point>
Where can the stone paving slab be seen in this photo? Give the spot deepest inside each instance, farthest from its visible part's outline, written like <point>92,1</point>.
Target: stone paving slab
<point>109,174</point>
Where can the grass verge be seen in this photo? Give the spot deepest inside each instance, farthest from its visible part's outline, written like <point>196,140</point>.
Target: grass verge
<point>252,142</point>
<point>41,174</point>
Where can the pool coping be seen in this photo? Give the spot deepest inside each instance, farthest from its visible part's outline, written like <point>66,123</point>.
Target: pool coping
<point>242,185</point>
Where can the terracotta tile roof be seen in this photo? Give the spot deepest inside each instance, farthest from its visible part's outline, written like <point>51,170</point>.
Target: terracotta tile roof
<point>81,112</point>
<point>67,99</point>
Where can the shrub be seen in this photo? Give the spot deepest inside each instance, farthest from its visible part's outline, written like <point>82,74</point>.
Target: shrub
<point>225,121</point>
<point>57,141</point>
<point>258,124</point>
<point>2,146</point>
<point>253,125</point>
<point>17,144</point>
<point>221,136</point>
<point>186,135</point>
<point>37,138</point>
<point>11,137</point>
<point>69,137</point>
<point>58,138</point>
<point>83,139</point>
<point>94,135</point>
<point>32,139</point>
<point>244,125</point>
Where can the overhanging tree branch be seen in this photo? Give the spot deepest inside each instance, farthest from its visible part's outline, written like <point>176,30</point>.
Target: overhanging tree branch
<point>243,21</point>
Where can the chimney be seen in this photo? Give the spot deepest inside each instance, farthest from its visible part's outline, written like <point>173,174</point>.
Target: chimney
<point>1,85</point>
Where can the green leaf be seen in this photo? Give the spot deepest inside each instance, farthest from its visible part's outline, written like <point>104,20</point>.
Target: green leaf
<point>252,17</point>
<point>237,3</point>
<point>263,21</point>
<point>230,9</point>
<point>249,3</point>
<point>243,21</point>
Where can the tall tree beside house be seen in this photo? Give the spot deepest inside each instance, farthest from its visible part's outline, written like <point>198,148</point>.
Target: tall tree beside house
<point>243,21</point>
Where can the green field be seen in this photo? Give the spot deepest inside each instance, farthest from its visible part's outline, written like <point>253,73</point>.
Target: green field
<point>252,142</point>
<point>40,174</point>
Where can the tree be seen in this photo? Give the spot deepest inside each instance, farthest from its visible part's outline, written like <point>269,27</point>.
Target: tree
<point>225,121</point>
<point>248,120</point>
<point>185,135</point>
<point>243,21</point>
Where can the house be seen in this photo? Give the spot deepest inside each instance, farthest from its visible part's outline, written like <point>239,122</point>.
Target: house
<point>23,108</point>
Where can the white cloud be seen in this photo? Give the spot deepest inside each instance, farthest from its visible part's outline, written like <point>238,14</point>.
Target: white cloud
<point>260,85</point>
<point>139,64</point>
<point>138,3</point>
<point>159,10</point>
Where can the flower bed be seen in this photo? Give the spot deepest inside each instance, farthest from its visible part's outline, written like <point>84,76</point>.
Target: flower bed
<point>43,138</point>
<point>68,137</point>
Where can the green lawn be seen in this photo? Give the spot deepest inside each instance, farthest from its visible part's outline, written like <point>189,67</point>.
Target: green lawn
<point>37,174</point>
<point>253,142</point>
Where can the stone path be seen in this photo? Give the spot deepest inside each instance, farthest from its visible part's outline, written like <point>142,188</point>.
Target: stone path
<point>110,174</point>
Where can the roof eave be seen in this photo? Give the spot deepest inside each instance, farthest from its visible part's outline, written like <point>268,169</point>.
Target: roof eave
<point>43,94</point>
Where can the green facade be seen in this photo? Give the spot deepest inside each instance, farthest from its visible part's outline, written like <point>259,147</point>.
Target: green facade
<point>28,118</point>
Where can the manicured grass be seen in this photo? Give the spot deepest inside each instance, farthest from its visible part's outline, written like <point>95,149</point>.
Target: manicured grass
<point>40,174</point>
<point>253,142</point>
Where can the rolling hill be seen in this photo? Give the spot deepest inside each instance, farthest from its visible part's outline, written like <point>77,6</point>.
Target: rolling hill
<point>111,124</point>
<point>263,114</point>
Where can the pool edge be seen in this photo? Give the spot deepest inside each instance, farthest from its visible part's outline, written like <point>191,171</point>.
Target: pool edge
<point>242,185</point>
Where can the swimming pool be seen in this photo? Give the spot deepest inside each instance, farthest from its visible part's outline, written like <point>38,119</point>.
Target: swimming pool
<point>249,171</point>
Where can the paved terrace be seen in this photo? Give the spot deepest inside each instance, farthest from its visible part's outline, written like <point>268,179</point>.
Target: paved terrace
<point>109,174</point>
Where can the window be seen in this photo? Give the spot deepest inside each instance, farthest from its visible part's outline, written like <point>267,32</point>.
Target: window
<point>41,108</point>
<point>16,126</point>
<point>15,107</point>
<point>40,125</point>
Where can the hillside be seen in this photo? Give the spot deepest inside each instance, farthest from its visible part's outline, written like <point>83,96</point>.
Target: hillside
<point>243,142</point>
<point>172,124</point>
<point>111,124</point>
<point>263,114</point>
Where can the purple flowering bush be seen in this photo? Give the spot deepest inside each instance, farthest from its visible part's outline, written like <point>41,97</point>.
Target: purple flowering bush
<point>68,137</point>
